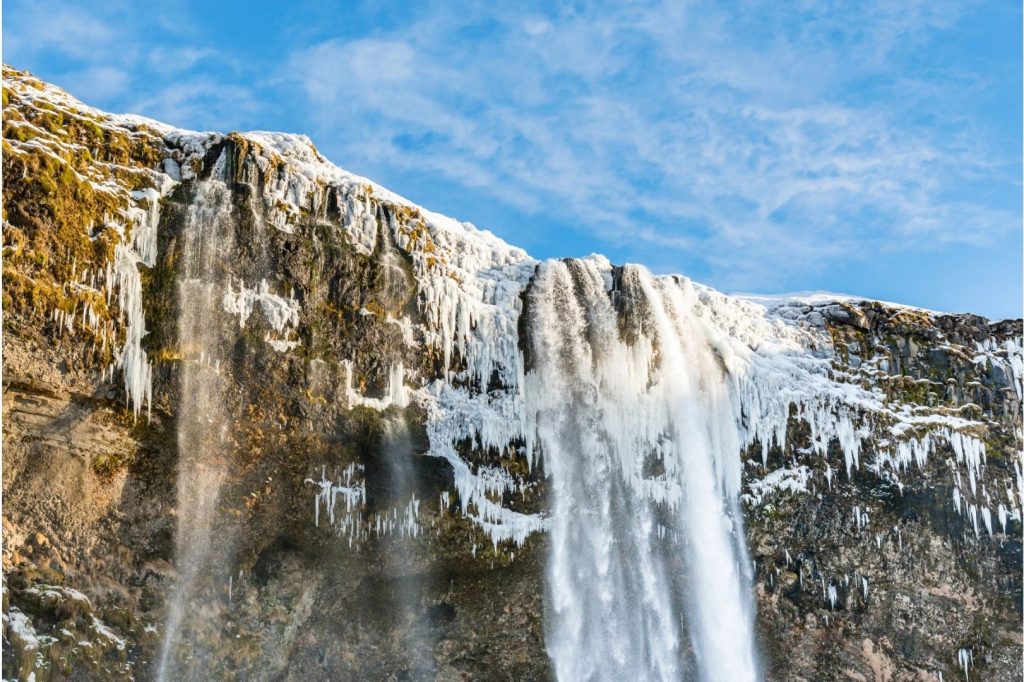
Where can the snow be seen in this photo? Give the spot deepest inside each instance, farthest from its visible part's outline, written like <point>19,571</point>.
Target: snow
<point>58,593</point>
<point>22,631</point>
<point>797,299</point>
<point>102,630</point>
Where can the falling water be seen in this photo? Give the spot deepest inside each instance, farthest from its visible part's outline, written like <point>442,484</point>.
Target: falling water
<point>398,550</point>
<point>202,423</point>
<point>648,576</point>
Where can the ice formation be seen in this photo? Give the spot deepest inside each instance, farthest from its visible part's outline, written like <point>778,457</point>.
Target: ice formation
<point>965,657</point>
<point>353,491</point>
<point>280,312</point>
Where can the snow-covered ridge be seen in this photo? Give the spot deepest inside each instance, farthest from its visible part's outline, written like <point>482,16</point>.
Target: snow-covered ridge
<point>819,298</point>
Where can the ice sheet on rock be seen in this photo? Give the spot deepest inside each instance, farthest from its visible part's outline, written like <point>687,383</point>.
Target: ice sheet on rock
<point>139,249</point>
<point>280,312</point>
<point>397,393</point>
<point>791,480</point>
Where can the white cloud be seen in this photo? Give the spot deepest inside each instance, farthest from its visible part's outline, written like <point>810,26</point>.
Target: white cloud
<point>99,81</point>
<point>199,102</point>
<point>74,31</point>
<point>116,56</point>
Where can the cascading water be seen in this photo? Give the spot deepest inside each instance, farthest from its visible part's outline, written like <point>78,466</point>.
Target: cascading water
<point>203,425</point>
<point>409,590</point>
<point>638,430</point>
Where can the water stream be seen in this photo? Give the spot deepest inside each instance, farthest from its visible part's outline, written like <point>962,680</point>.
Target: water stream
<point>648,577</point>
<point>409,590</point>
<point>203,426</point>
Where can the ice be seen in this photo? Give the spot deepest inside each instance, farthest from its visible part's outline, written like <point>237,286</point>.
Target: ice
<point>397,393</point>
<point>644,396</point>
<point>137,249</point>
<point>353,491</point>
<point>793,480</point>
<point>966,660</point>
<point>279,311</point>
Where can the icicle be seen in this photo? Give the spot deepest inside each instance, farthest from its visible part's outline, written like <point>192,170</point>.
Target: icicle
<point>966,658</point>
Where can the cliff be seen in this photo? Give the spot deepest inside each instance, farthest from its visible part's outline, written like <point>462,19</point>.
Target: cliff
<point>264,419</point>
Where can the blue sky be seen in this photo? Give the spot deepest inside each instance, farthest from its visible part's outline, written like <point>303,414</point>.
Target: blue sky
<point>866,147</point>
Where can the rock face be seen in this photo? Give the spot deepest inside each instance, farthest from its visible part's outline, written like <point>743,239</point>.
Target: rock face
<point>378,511</point>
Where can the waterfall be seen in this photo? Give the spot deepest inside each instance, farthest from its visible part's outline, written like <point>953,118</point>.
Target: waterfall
<point>638,431</point>
<point>409,590</point>
<point>202,424</point>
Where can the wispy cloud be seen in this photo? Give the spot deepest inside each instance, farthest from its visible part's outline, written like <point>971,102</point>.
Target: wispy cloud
<point>113,55</point>
<point>748,136</point>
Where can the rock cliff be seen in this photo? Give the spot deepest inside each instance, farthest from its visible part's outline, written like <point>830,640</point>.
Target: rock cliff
<point>248,388</point>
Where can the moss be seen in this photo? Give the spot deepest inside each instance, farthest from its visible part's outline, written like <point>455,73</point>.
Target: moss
<point>55,215</point>
<point>21,133</point>
<point>107,465</point>
<point>166,354</point>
